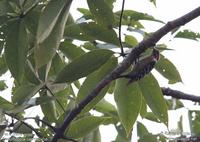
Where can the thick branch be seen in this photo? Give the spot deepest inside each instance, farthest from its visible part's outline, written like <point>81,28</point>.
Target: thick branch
<point>135,53</point>
<point>179,95</point>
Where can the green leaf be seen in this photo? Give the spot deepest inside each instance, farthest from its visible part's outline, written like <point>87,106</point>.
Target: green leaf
<point>30,74</point>
<point>86,13</point>
<point>104,106</point>
<point>49,109</point>
<point>25,92</point>
<point>46,49</point>
<point>128,100</point>
<point>3,66</point>
<point>151,116</point>
<point>74,31</point>
<point>131,40</point>
<point>168,70</point>
<point>5,105</point>
<point>3,85</point>
<point>22,128</point>
<point>102,12</point>
<point>100,33</point>
<point>153,96</point>
<point>83,65</point>
<point>70,50</point>
<point>148,138</point>
<point>16,48</point>
<point>194,121</point>
<point>141,130</point>
<point>92,80</point>
<point>135,16</point>
<point>143,109</point>
<point>81,127</point>
<point>49,17</point>
<point>188,34</point>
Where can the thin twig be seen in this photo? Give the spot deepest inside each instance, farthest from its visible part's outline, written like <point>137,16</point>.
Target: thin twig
<point>179,95</point>
<point>29,126</point>
<point>120,28</point>
<point>44,122</point>
<point>61,106</point>
<point>134,54</point>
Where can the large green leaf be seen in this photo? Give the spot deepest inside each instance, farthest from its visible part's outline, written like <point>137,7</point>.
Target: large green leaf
<point>92,80</point>
<point>153,96</point>
<point>84,126</point>
<point>129,100</point>
<point>83,65</point>
<point>49,17</point>
<point>74,31</point>
<point>70,50</point>
<point>168,70</point>
<point>16,48</point>
<point>25,92</point>
<point>45,50</point>
<point>102,12</point>
<point>98,32</point>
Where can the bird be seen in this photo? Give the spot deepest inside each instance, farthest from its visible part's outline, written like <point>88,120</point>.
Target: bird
<point>142,67</point>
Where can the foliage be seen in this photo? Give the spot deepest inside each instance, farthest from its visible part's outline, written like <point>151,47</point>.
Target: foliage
<point>56,61</point>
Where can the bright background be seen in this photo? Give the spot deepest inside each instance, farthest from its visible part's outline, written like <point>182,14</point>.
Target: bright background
<point>186,57</point>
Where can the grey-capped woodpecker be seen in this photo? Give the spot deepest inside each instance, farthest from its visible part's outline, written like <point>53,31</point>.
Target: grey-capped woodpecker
<point>142,67</point>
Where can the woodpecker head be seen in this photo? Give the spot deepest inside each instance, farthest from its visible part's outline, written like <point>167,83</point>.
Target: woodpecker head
<point>156,54</point>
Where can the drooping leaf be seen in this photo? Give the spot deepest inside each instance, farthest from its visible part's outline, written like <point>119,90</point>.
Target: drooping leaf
<point>168,70</point>
<point>153,96</point>
<point>49,17</point>
<point>83,65</point>
<point>25,92</point>
<point>102,12</point>
<point>128,99</point>
<point>92,80</point>
<point>70,50</point>
<point>84,126</point>
<point>141,130</point>
<point>188,34</point>
<point>122,136</point>
<point>16,49</point>
<point>46,48</point>
<point>100,33</point>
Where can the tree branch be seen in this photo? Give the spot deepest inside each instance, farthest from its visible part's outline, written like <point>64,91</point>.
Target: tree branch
<point>179,95</point>
<point>135,53</point>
